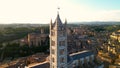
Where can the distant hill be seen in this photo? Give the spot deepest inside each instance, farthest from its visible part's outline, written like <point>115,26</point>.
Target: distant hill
<point>97,23</point>
<point>21,25</point>
<point>73,23</point>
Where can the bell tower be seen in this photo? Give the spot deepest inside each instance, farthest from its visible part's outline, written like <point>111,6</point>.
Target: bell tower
<point>58,43</point>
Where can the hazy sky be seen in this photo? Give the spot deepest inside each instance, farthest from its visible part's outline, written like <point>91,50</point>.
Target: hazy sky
<point>42,11</point>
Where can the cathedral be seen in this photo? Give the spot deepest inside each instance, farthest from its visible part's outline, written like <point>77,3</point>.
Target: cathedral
<point>59,56</point>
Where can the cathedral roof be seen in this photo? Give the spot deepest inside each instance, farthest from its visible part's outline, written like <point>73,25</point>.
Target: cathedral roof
<point>81,54</point>
<point>45,65</point>
<point>70,58</point>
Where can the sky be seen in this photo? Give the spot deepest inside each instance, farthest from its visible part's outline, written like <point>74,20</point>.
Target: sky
<point>42,11</point>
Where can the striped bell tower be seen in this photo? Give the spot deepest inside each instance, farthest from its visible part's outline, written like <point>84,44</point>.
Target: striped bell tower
<point>58,43</point>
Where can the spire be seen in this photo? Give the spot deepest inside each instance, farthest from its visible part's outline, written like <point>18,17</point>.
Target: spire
<point>65,21</point>
<point>58,21</point>
<point>51,24</point>
<point>65,24</point>
<point>58,10</point>
<point>51,21</point>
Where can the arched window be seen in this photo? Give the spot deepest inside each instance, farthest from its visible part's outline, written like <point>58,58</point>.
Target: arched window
<point>52,33</point>
<point>62,51</point>
<point>52,43</point>
<point>52,51</point>
<point>62,59</point>
<point>53,59</point>
<point>62,43</point>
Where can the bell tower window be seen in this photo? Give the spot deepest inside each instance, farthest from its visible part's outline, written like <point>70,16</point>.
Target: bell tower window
<point>53,51</point>
<point>62,59</point>
<point>52,33</point>
<point>61,33</point>
<point>62,51</point>
<point>52,43</point>
<point>62,43</point>
<point>53,60</point>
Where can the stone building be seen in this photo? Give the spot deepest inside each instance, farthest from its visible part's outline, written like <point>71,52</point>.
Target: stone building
<point>116,35</point>
<point>35,39</point>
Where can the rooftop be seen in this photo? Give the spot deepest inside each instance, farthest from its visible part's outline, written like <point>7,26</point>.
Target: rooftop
<point>70,57</point>
<point>81,54</point>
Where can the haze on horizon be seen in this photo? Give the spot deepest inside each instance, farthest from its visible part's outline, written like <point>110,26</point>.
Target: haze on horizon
<point>42,11</point>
